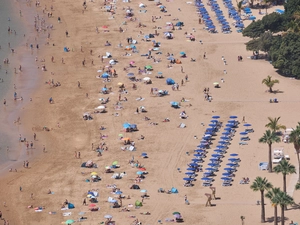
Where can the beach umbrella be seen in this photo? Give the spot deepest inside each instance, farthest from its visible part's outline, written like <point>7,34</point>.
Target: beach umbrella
<point>218,151</point>
<point>228,169</point>
<point>130,74</point>
<point>231,164</point>
<point>144,153</point>
<point>200,151</point>
<point>225,138</point>
<point>215,83</point>
<point>159,73</point>
<point>229,125</point>
<point>233,117</point>
<point>247,125</point>
<point>188,179</point>
<point>216,155</point>
<point>92,205</point>
<point>211,125</point>
<point>176,213</point>
<point>69,222</point>
<point>234,154</point>
<point>225,178</point>
<point>105,75</point>
<point>132,62</point>
<point>105,27</point>
<point>148,67</point>
<point>126,125</point>
<point>226,133</point>
<point>142,169</point>
<point>139,172</point>
<point>215,117</point>
<point>233,159</point>
<point>94,174</point>
<point>206,178</point>
<point>221,147</point>
<point>182,53</point>
<point>222,142</point>
<point>120,84</point>
<point>115,163</point>
<point>99,71</point>
<point>210,169</point>
<point>207,138</point>
<point>243,133</point>
<point>226,174</point>
<point>100,107</point>
<point>190,168</point>
<point>143,191</point>
<point>118,192</point>
<point>198,155</point>
<point>108,217</point>
<point>200,146</point>
<point>213,164</point>
<point>193,164</point>
<point>196,160</point>
<point>227,128</point>
<point>214,121</point>
<point>190,173</point>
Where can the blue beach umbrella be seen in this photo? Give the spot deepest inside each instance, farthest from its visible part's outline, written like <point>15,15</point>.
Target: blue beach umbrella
<point>227,128</point>
<point>222,142</point>
<point>126,125</point>
<point>243,133</point>
<point>234,154</point>
<point>225,138</point>
<point>200,151</point>
<point>229,125</point>
<point>231,164</point>
<point>221,147</point>
<point>196,160</point>
<point>190,168</point>
<point>218,151</point>
<point>213,164</point>
<point>216,155</point>
<point>212,125</point>
<point>233,159</point>
<point>228,169</point>
<point>215,117</point>
<point>188,179</point>
<point>214,121</point>
<point>210,169</point>
<point>206,178</point>
<point>118,192</point>
<point>130,74</point>
<point>247,125</point>
<point>190,173</point>
<point>193,164</point>
<point>198,155</point>
<point>225,178</point>
<point>233,117</point>
<point>226,174</point>
<point>226,133</point>
<point>139,172</point>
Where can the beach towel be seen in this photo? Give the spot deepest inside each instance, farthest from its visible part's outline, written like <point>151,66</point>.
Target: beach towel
<point>67,214</point>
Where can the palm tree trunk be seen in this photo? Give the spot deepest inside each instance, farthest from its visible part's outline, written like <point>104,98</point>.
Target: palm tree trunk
<point>275,215</point>
<point>284,183</point>
<point>282,214</point>
<point>270,89</point>
<point>270,158</point>
<point>298,165</point>
<point>262,201</point>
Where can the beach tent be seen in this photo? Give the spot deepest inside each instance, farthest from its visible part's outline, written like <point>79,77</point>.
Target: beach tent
<point>138,203</point>
<point>179,24</point>
<point>175,105</point>
<point>105,75</point>
<point>71,206</point>
<point>174,190</point>
<point>66,49</point>
<point>170,81</point>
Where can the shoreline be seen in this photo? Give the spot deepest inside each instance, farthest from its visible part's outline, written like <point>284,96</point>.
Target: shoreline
<point>28,83</point>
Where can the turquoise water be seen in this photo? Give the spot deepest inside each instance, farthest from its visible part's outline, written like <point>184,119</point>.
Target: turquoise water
<point>9,17</point>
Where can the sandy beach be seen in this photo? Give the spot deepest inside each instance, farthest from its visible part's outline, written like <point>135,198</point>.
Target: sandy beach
<point>169,148</point>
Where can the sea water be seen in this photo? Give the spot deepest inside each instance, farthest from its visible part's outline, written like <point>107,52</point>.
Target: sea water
<point>9,18</point>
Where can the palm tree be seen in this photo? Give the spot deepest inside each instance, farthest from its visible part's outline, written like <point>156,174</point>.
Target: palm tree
<point>272,195</point>
<point>274,125</point>
<point>261,184</point>
<point>283,200</point>
<point>285,168</point>
<point>269,138</point>
<point>239,6</point>
<point>295,139</point>
<point>297,187</point>
<point>270,83</point>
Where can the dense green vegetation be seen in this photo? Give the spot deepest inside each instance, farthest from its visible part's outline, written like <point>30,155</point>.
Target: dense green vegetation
<point>278,36</point>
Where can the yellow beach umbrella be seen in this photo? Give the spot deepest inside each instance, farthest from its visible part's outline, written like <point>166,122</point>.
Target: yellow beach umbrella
<point>94,174</point>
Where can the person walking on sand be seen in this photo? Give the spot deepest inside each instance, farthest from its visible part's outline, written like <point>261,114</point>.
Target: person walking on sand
<point>78,84</point>
<point>84,202</point>
<point>244,121</point>
<point>75,154</point>
<point>4,102</point>
<point>31,195</point>
<point>31,144</point>
<point>20,188</point>
<point>34,136</point>
<point>78,155</point>
<point>204,55</point>
<point>181,69</point>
